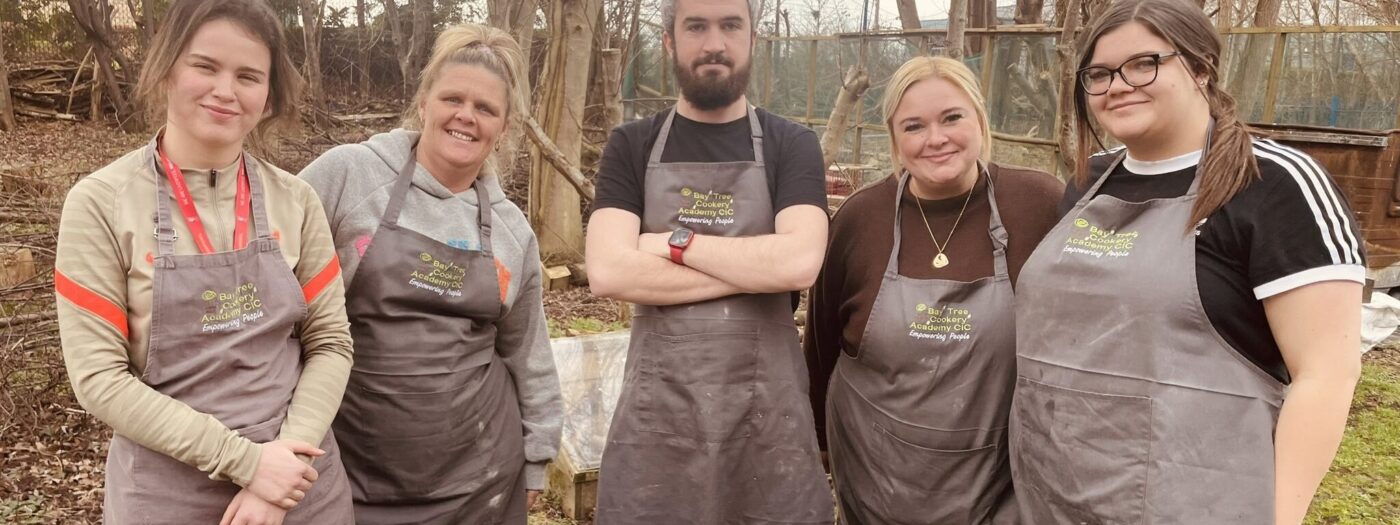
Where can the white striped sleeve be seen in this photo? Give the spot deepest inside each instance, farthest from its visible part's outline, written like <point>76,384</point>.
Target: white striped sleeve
<point>1321,241</point>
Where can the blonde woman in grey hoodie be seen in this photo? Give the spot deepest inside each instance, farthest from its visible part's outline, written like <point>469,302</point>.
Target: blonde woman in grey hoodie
<point>452,408</point>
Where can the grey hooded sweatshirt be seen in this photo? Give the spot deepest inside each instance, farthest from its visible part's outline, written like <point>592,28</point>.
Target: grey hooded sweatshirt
<point>354,181</point>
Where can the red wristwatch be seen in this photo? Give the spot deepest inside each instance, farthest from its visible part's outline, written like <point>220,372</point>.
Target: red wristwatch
<point>679,241</point>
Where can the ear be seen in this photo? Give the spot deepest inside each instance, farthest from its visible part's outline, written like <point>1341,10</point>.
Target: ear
<point>668,42</point>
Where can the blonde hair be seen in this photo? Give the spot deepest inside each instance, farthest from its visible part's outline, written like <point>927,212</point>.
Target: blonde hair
<point>489,48</point>
<point>918,69</point>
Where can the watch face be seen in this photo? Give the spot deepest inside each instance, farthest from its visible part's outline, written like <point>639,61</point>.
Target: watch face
<point>681,238</point>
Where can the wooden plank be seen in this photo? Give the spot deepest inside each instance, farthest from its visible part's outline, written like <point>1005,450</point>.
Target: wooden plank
<point>16,266</point>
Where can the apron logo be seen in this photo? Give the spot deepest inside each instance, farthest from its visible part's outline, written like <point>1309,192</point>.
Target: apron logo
<point>229,311</point>
<point>708,208</point>
<point>440,277</point>
<point>941,323</point>
<point>1099,242</point>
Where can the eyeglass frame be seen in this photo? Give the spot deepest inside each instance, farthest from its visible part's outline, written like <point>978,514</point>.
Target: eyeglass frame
<point>1157,59</point>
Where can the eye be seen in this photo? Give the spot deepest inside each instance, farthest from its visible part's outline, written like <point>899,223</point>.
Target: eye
<point>251,79</point>
<point>1097,74</point>
<point>953,117</point>
<point>1144,64</point>
<point>486,109</point>
<point>695,28</point>
<point>732,26</point>
<point>913,126</point>
<point>452,99</point>
<point>204,66</point>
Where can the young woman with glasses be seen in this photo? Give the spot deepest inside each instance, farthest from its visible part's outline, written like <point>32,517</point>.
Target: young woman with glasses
<point>1187,333</point>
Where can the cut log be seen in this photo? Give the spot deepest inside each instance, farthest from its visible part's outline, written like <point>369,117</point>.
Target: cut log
<point>16,266</point>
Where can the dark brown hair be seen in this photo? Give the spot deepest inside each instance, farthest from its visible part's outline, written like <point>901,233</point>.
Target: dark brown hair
<point>184,19</point>
<point>1230,165</point>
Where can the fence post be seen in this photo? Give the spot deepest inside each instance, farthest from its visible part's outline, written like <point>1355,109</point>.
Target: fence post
<point>1275,70</point>
<point>811,79</point>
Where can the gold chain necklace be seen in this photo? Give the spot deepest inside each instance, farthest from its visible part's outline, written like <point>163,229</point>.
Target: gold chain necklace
<point>941,260</point>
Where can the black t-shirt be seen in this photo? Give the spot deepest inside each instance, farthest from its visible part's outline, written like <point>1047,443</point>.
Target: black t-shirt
<point>792,157</point>
<point>1290,228</point>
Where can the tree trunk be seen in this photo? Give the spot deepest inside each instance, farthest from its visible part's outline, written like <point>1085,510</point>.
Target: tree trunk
<point>1069,150</point>
<point>612,88</point>
<point>312,15</point>
<point>1253,67</point>
<point>957,25</point>
<point>1029,11</point>
<point>421,43</point>
<point>909,19</point>
<point>555,211</point>
<point>94,17</point>
<point>7,107</point>
<point>852,89</point>
<point>364,47</point>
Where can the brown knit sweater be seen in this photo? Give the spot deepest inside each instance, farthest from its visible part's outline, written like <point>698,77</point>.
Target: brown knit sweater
<point>862,235</point>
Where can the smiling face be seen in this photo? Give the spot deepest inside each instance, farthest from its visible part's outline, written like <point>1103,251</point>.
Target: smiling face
<point>217,89</point>
<point>1150,113</point>
<point>937,138</point>
<point>464,114</point>
<point>711,46</point>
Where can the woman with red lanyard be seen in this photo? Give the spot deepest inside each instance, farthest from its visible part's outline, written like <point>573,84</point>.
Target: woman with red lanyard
<point>911,344</point>
<point>199,294</point>
<point>1187,333</point>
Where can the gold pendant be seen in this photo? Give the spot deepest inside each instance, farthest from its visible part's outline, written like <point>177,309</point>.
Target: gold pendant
<point>940,261</point>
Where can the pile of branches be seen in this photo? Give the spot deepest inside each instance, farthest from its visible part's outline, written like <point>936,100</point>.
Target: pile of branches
<point>59,89</point>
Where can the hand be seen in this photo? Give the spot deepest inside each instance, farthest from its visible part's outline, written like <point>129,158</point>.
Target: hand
<point>282,478</point>
<point>657,244</point>
<point>531,498</point>
<point>248,509</point>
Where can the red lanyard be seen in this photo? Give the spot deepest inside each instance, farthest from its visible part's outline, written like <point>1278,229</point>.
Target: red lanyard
<point>243,204</point>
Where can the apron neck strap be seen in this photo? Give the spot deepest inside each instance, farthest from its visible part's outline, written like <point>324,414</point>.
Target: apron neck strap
<point>755,133</point>
<point>165,233</point>
<point>995,228</point>
<point>399,193</point>
<point>1195,181</point>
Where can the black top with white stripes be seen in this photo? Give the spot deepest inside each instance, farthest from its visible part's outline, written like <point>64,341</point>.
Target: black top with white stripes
<point>1291,228</point>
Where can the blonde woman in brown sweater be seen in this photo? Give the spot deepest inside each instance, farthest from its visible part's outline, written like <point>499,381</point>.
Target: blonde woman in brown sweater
<point>199,296</point>
<point>911,341</point>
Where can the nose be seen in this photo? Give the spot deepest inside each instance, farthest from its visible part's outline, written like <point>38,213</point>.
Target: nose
<point>223,87</point>
<point>713,41</point>
<point>465,115</point>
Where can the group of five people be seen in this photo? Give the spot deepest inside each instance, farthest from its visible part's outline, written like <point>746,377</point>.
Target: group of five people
<point>1169,339</point>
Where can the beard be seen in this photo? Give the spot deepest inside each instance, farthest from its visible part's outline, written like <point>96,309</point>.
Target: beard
<point>711,91</point>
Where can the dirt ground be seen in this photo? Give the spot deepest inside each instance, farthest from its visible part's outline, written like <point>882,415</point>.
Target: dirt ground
<point>51,451</point>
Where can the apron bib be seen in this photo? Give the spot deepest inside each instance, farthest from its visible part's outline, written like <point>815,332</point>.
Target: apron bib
<point>430,422</point>
<point>1129,407</point>
<point>714,423</point>
<point>917,420</point>
<point>222,341</point>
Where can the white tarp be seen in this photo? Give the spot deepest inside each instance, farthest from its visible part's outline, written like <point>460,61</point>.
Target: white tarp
<point>1379,318</point>
<point>590,378</point>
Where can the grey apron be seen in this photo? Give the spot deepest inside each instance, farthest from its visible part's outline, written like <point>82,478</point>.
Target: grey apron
<point>1129,407</point>
<point>714,425</point>
<point>917,419</point>
<point>430,424</point>
<point>223,342</point>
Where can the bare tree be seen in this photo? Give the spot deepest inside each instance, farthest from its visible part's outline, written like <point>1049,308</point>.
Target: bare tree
<point>364,47</point>
<point>313,15</point>
<point>412,48</point>
<point>555,207</point>
<point>7,107</point>
<point>957,26</point>
<point>94,17</point>
<point>1253,67</point>
<point>852,89</point>
<point>1030,11</point>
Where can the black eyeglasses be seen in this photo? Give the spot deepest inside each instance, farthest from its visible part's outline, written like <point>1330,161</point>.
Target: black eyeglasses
<point>1138,71</point>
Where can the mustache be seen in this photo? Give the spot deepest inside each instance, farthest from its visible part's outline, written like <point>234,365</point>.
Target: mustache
<point>713,58</point>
